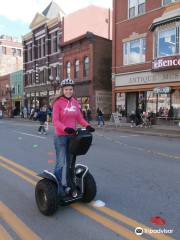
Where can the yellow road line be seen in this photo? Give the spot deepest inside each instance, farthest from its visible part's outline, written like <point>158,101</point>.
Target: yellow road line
<point>113,226</point>
<point>133,223</point>
<point>18,166</point>
<point>16,224</point>
<point>108,211</point>
<point>18,173</point>
<point>4,235</point>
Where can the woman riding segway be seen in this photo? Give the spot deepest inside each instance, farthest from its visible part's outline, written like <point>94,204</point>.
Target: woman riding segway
<point>66,115</point>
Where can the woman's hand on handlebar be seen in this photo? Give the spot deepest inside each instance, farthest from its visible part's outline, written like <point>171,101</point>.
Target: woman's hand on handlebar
<point>90,129</point>
<point>69,130</point>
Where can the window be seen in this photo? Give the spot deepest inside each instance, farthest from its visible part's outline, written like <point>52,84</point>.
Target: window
<point>13,51</point>
<point>54,42</point>
<point>45,75</point>
<point>165,2</point>
<point>41,77</point>
<point>134,51</point>
<point>167,42</point>
<point>4,50</point>
<point>58,72</point>
<point>18,89</point>
<point>86,67</point>
<point>76,69</point>
<point>29,47</point>
<point>39,48</point>
<point>68,70</point>
<point>43,47</point>
<point>19,52</point>
<point>136,8</point>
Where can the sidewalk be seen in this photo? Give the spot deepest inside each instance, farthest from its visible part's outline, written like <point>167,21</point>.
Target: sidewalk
<point>155,130</point>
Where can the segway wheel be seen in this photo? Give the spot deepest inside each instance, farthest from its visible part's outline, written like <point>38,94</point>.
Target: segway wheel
<point>89,188</point>
<point>46,197</point>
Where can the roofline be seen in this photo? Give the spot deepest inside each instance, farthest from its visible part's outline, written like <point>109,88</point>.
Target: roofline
<point>87,35</point>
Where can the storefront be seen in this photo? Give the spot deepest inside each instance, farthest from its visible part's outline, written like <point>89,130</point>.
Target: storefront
<point>150,91</point>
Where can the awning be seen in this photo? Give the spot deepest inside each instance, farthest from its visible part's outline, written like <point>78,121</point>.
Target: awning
<point>167,17</point>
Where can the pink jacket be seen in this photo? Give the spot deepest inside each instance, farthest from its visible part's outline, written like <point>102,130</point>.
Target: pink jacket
<point>66,113</point>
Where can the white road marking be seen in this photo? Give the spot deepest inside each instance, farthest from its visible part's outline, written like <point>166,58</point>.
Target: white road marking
<point>35,124</point>
<point>125,136</point>
<point>31,135</point>
<point>98,203</point>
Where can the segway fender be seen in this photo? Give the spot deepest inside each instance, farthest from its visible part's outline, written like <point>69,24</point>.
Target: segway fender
<point>48,175</point>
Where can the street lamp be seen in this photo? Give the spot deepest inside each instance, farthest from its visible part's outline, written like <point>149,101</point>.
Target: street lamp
<point>54,82</point>
<point>10,91</point>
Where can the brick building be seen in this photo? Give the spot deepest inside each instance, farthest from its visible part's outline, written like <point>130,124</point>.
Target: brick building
<point>87,60</point>
<point>146,56</point>
<point>42,56</point>
<point>11,57</point>
<point>5,95</point>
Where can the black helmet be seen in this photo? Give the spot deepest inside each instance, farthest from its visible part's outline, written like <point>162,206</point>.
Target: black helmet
<point>67,82</point>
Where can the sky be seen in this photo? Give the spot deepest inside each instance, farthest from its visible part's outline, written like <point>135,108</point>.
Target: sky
<point>16,15</point>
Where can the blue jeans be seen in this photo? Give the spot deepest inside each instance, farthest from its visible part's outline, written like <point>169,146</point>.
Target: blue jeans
<point>61,144</point>
<point>100,120</point>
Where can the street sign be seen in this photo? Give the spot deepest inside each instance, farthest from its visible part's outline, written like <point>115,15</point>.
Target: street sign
<point>162,90</point>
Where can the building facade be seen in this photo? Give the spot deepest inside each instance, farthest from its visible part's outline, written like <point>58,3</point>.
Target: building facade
<point>5,94</point>
<point>87,60</point>
<point>16,82</point>
<point>11,56</point>
<point>42,56</point>
<point>146,56</point>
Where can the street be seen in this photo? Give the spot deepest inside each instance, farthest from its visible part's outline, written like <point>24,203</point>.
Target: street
<point>137,178</point>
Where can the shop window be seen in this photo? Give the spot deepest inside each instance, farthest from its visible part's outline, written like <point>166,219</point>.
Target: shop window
<point>136,8</point>
<point>163,105</point>
<point>167,43</point>
<point>165,2</point>
<point>134,51</point>
<point>121,103</point>
<point>86,67</point>
<point>151,102</point>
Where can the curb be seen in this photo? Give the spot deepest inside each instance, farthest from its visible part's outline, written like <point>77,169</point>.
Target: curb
<point>160,134</point>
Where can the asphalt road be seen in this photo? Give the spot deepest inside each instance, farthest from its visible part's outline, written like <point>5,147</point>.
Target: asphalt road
<point>137,178</point>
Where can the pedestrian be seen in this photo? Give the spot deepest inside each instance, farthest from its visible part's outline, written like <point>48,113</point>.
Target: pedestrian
<point>42,117</point>
<point>100,117</point>
<point>49,114</point>
<point>66,115</point>
<point>32,113</point>
<point>89,115</point>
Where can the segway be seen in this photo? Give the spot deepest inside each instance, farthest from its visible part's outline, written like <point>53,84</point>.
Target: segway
<point>82,186</point>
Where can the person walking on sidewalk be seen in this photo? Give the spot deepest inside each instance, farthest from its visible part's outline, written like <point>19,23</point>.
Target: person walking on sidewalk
<point>100,117</point>
<point>42,117</point>
<point>66,115</point>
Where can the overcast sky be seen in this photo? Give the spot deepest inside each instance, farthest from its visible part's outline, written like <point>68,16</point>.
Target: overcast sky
<point>16,15</point>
